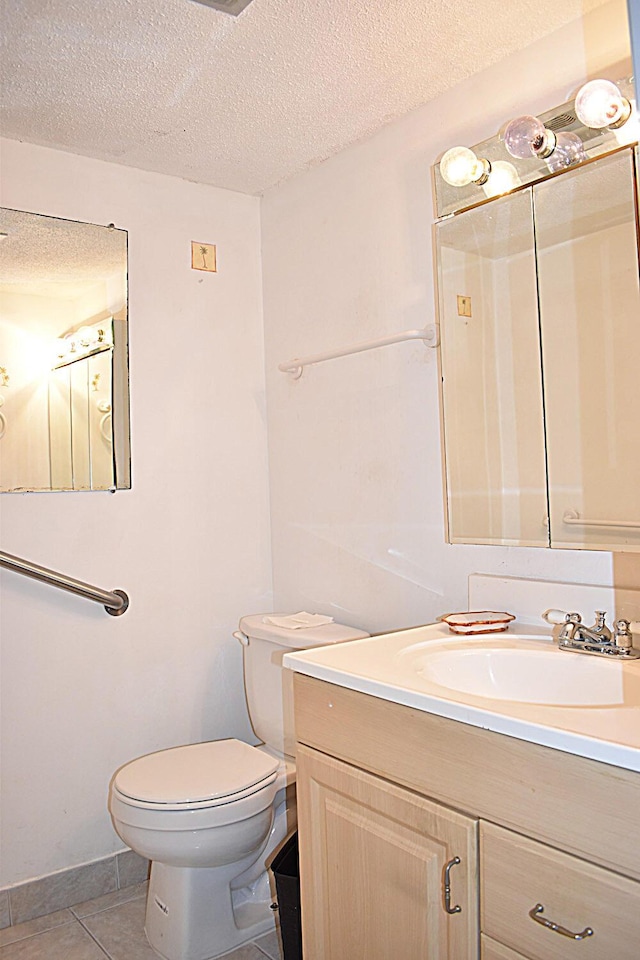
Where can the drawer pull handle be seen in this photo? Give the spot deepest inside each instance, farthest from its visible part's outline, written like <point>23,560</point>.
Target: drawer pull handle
<point>535,912</point>
<point>447,887</point>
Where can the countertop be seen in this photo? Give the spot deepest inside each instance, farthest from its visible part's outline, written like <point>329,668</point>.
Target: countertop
<point>377,666</point>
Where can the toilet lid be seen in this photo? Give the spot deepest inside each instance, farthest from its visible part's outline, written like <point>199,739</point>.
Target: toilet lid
<point>197,772</point>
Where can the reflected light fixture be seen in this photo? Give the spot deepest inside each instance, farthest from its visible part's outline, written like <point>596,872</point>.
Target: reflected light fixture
<point>569,150</point>
<point>82,343</point>
<point>600,104</point>
<point>460,166</point>
<point>503,178</point>
<point>527,137</point>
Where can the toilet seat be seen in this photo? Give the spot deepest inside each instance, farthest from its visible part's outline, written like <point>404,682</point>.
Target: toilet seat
<point>195,776</point>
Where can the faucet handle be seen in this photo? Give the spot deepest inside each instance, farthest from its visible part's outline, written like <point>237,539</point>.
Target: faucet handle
<point>623,637</point>
<point>555,616</point>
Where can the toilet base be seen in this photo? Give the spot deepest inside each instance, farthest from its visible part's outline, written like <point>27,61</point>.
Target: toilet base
<point>190,915</point>
<point>198,913</point>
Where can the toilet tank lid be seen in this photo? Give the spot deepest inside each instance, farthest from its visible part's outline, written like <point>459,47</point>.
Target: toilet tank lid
<point>196,772</point>
<point>257,626</point>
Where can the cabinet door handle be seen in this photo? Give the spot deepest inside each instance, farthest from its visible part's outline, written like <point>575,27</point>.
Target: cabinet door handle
<point>535,912</point>
<point>446,885</point>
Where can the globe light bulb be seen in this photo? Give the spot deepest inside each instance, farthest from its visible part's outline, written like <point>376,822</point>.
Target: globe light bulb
<point>630,132</point>
<point>527,137</point>
<point>86,336</point>
<point>569,150</point>
<point>600,104</point>
<point>460,166</point>
<point>503,177</point>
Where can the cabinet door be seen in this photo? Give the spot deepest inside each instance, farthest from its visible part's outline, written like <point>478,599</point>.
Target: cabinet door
<point>491,376</point>
<point>373,859</point>
<point>589,290</point>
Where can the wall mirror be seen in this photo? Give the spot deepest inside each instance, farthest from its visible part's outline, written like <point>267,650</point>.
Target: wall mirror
<point>64,382</point>
<point>539,302</point>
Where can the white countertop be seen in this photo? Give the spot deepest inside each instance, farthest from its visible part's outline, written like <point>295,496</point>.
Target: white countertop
<point>389,667</point>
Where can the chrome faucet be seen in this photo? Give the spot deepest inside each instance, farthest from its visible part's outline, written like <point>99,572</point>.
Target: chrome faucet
<point>597,639</point>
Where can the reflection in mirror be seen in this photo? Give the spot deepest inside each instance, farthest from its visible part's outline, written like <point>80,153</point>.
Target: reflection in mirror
<point>590,324</point>
<point>492,391</point>
<point>64,385</point>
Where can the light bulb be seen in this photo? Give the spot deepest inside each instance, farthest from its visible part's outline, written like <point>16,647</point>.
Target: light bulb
<point>569,150</point>
<point>527,137</point>
<point>503,177</point>
<point>630,131</point>
<point>86,336</point>
<point>460,166</point>
<point>600,104</point>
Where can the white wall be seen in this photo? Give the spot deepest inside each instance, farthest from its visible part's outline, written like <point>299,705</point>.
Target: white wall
<point>354,455</point>
<point>83,692</point>
<point>354,445</point>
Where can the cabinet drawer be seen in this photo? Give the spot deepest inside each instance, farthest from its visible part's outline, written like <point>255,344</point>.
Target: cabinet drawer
<point>491,950</point>
<point>517,874</point>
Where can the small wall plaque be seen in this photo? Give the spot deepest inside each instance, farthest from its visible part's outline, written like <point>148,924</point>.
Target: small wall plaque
<point>203,256</point>
<point>464,306</point>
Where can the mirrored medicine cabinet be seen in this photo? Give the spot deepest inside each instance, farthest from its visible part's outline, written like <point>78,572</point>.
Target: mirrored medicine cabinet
<point>64,381</point>
<point>539,303</point>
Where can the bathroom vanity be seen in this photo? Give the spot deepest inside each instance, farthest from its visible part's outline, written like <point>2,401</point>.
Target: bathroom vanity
<point>438,831</point>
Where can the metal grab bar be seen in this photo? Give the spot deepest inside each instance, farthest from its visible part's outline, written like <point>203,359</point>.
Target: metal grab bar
<point>573,517</point>
<point>115,602</point>
<point>429,335</point>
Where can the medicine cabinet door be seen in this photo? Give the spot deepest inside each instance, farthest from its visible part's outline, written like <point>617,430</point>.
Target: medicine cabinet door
<point>587,252</point>
<point>491,375</point>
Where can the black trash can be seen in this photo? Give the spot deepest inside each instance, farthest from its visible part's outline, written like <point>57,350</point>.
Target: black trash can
<point>286,870</point>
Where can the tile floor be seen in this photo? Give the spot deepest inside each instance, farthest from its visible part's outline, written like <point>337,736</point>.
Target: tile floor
<point>109,928</point>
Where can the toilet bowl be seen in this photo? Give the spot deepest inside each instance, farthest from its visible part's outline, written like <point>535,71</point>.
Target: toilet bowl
<point>210,816</point>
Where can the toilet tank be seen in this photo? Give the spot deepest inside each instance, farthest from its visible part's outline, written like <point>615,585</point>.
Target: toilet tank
<point>268,686</point>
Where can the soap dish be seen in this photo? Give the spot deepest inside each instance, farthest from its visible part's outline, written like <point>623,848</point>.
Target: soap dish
<point>478,621</point>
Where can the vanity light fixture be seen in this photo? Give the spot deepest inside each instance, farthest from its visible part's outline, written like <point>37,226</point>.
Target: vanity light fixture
<point>460,166</point>
<point>82,343</point>
<point>527,137</point>
<point>600,104</point>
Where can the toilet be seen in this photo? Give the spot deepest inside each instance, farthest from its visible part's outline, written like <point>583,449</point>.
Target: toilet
<point>210,815</point>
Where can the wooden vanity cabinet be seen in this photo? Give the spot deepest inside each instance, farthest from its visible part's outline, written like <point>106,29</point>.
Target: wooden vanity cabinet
<point>389,795</point>
<point>372,866</point>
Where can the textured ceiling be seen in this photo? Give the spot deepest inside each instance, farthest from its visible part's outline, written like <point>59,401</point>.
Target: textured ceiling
<point>43,256</point>
<point>243,102</point>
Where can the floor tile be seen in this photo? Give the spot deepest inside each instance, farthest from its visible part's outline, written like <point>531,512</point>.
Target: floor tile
<point>247,952</point>
<point>23,930</point>
<point>271,944</point>
<point>90,907</point>
<point>120,931</point>
<point>69,942</point>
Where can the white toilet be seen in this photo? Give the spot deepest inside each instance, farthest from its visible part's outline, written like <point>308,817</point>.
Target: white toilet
<point>209,815</point>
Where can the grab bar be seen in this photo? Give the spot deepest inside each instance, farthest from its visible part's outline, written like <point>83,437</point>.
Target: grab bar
<point>115,601</point>
<point>573,517</point>
<point>429,334</point>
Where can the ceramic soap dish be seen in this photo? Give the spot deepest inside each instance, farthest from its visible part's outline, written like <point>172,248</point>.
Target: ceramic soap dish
<point>478,621</point>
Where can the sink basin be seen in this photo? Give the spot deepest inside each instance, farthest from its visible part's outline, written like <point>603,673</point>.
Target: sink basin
<point>526,671</point>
